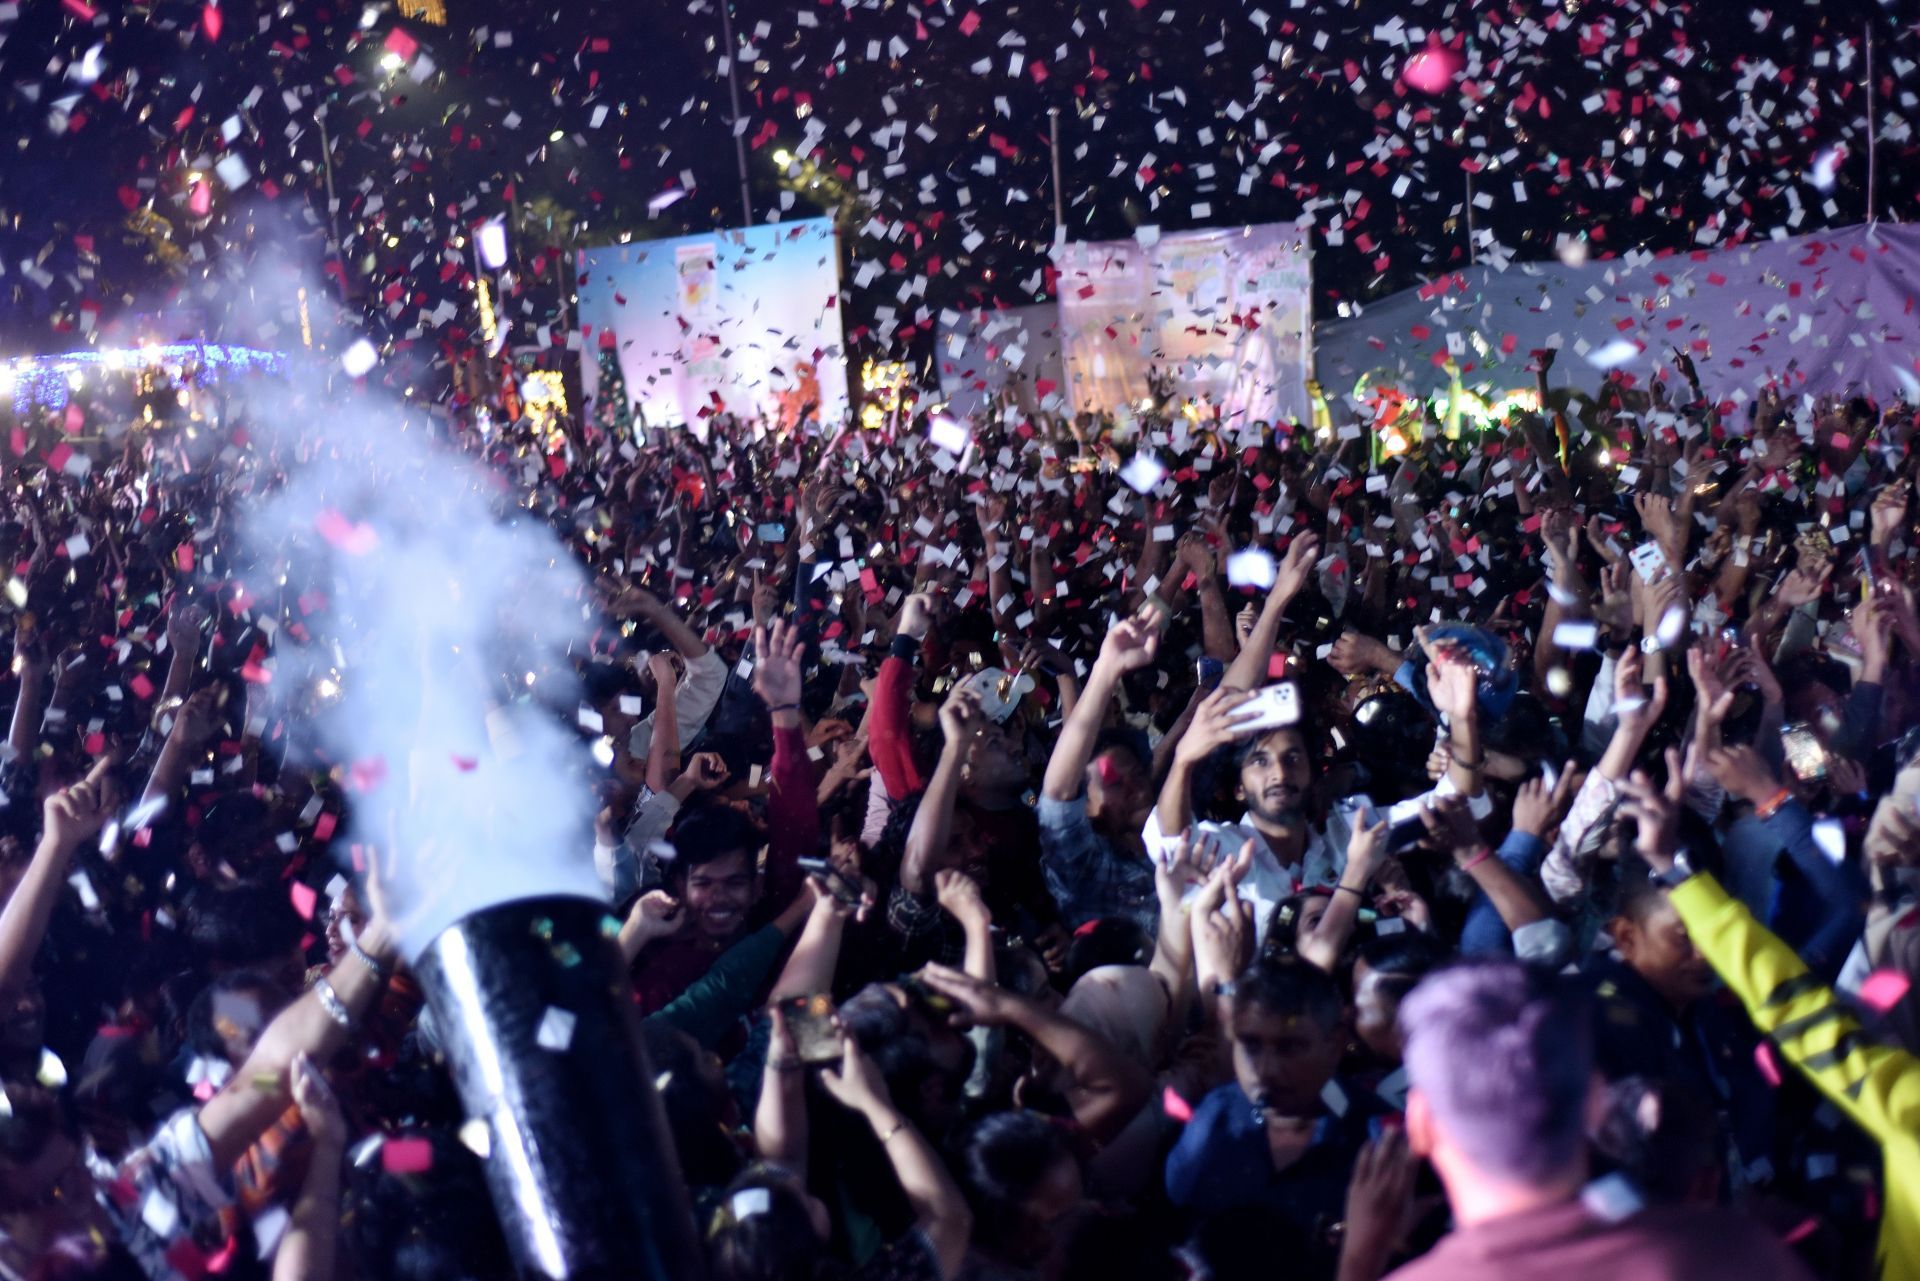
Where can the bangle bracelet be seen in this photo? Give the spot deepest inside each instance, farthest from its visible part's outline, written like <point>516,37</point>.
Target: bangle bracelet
<point>365,958</point>
<point>1484,854</point>
<point>1768,808</point>
<point>1349,889</point>
<point>1466,764</point>
<point>888,1136</point>
<point>784,707</point>
<point>331,1003</point>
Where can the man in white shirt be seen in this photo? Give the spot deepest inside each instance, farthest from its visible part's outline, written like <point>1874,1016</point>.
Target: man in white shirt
<point>1275,782</point>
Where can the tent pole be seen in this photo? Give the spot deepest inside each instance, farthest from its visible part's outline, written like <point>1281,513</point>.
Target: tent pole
<point>1473,254</point>
<point>1059,197</point>
<point>1872,136</point>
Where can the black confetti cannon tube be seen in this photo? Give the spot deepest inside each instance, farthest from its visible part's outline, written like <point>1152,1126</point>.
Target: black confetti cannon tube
<point>533,1011</point>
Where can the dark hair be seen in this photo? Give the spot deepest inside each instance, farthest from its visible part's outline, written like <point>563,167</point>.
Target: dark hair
<point>1283,922</point>
<point>1410,954</point>
<point>709,832</point>
<point>1291,989</point>
<point>706,1158</point>
<point>202,1037</point>
<point>883,1028</point>
<point>439,1226</point>
<point>1661,1134</point>
<point>34,1118</point>
<point>1113,940</point>
<point>1503,1053</point>
<point>776,1243</point>
<point>1003,1160</point>
<point>246,926</point>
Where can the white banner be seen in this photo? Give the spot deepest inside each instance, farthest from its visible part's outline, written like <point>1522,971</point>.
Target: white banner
<point>743,322</point>
<point>1224,317</point>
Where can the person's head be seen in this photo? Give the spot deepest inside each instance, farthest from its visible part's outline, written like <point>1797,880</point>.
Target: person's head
<point>246,927</point>
<point>437,1226</point>
<point>1664,1137</point>
<point>229,1015</point>
<point>767,1227</point>
<point>1293,916</point>
<point>1275,776</point>
<point>1653,941</point>
<point>1119,786</point>
<point>23,1023</point>
<point>345,919</point>
<point>1025,1186</point>
<point>996,764</point>
<point>1285,1029</point>
<point>1815,688</point>
<point>925,1061</point>
<point>41,1165</point>
<point>1385,971</point>
<point>1500,1072</point>
<point>715,872</point>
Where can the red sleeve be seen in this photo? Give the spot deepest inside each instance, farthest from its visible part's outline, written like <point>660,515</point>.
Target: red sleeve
<point>889,741</point>
<point>793,815</point>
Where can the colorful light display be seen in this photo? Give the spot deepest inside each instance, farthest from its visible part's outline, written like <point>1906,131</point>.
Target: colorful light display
<point>48,381</point>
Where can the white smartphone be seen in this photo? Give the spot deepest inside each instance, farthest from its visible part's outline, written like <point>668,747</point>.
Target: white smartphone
<point>1273,707</point>
<point>1650,563</point>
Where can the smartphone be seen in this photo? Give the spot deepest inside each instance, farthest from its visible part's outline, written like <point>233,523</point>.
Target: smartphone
<point>1650,563</point>
<point>773,532</point>
<point>1273,707</point>
<point>842,887</point>
<point>810,1021</point>
<point>1805,756</point>
<point>1404,826</point>
<point>1208,672</point>
<point>1730,640</point>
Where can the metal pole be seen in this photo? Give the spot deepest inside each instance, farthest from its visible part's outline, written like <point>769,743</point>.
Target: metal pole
<point>733,123</point>
<point>1473,253</point>
<point>530,1004</point>
<point>333,218</point>
<point>1059,196</point>
<point>1872,137</point>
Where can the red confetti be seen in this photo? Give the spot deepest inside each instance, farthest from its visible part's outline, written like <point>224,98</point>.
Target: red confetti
<point>304,898</point>
<point>1884,989</point>
<point>406,1156</point>
<point>1176,1107</point>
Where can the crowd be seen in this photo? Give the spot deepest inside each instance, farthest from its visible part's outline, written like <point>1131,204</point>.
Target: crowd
<point>1148,847</point>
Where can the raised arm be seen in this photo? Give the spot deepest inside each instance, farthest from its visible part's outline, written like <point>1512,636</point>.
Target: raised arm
<point>318,1024</point>
<point>1128,647</point>
<point>793,810</point>
<point>962,721</point>
<point>71,818</point>
<point>1108,1088</point>
<point>308,1249</point>
<point>1249,670</point>
<point>940,1211</point>
<point>663,747</point>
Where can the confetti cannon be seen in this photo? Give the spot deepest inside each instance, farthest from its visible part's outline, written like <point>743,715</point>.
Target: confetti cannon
<point>532,1008</point>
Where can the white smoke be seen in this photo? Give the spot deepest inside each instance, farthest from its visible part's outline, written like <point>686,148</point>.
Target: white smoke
<point>449,619</point>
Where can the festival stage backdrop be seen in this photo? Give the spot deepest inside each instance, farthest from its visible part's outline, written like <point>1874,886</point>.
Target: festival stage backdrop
<point>1223,314</point>
<point>742,321</point>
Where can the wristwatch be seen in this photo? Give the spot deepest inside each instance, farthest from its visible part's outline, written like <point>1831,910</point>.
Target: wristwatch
<point>1682,870</point>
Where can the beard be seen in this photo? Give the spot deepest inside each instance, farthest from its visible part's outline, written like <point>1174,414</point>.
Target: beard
<point>1288,809</point>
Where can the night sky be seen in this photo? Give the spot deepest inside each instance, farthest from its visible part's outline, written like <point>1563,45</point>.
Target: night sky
<point>1667,127</point>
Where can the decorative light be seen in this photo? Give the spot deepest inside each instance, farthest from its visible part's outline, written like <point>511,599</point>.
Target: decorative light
<point>48,381</point>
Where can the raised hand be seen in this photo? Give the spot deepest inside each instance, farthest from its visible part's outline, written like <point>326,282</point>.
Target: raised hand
<point>856,1084</point>
<point>76,814</point>
<point>961,718</point>
<point>1889,510</point>
<point>960,897</point>
<point>319,1105</point>
<point>1295,567</point>
<point>1453,684</point>
<point>1132,645</point>
<point>1355,652</point>
<point>1800,586</point>
<point>1656,810</point>
<point>1635,706</point>
<point>706,771</point>
<point>1216,722</point>
<point>776,677</point>
<point>1539,809</point>
<point>916,616</point>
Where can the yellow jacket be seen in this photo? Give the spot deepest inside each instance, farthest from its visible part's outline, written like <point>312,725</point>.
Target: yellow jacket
<point>1877,1085</point>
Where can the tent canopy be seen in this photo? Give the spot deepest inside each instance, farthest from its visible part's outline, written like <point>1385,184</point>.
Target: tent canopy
<point>1827,314</point>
